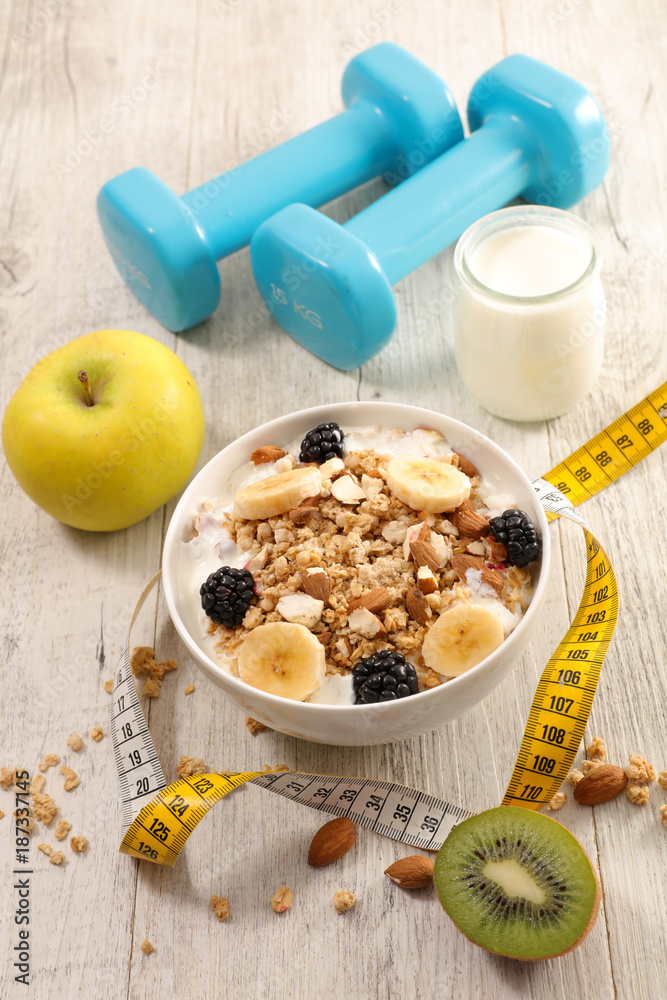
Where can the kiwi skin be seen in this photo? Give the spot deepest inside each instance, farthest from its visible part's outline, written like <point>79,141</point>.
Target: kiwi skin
<point>575,944</point>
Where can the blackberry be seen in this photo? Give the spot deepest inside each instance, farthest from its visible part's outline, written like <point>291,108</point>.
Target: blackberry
<point>226,595</point>
<point>384,676</point>
<point>322,443</point>
<point>518,534</point>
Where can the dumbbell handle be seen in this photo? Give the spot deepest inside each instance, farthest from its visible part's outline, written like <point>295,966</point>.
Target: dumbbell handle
<point>421,217</point>
<point>312,168</point>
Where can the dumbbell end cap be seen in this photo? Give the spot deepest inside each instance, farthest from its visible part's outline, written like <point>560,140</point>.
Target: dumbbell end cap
<point>417,104</point>
<point>561,121</point>
<point>323,286</point>
<point>159,249</point>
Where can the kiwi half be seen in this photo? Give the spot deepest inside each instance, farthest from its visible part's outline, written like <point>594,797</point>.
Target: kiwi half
<point>517,883</point>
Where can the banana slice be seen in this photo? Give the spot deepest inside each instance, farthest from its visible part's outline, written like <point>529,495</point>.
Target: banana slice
<point>461,638</point>
<point>283,659</point>
<point>278,494</point>
<point>425,484</point>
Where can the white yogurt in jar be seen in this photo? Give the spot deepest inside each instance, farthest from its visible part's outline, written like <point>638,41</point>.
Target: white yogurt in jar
<point>530,313</point>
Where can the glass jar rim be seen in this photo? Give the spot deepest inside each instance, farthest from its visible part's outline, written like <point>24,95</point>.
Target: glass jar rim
<point>519,216</point>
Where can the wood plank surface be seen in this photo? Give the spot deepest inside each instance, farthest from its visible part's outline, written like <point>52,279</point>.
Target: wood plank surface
<point>192,89</point>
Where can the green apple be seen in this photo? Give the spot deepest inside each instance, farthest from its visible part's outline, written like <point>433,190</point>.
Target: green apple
<point>104,430</point>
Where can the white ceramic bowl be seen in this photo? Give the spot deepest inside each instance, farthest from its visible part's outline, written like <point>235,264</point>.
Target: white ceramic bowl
<point>354,725</point>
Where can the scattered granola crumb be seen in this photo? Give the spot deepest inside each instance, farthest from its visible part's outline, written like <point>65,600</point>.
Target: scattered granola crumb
<point>142,659</point>
<point>574,777</point>
<point>62,829</point>
<point>663,813</point>
<point>639,770</point>
<point>274,768</point>
<point>97,733</point>
<point>78,844</point>
<point>343,900</point>
<point>44,807</point>
<point>662,779</point>
<point>71,778</point>
<point>75,742</point>
<point>1,814</point>
<point>637,794</point>
<point>108,685</point>
<point>147,947</point>
<point>57,858</point>
<point>597,750</point>
<point>281,899</point>
<point>45,849</point>
<point>152,687</point>
<point>254,726</point>
<point>187,766</point>
<point>220,907</point>
<point>189,689</point>
<point>557,802</point>
<point>50,760</point>
<point>7,777</point>
<point>36,784</point>
<point>589,765</point>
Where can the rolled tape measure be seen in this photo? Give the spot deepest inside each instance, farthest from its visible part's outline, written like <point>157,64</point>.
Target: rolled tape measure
<point>158,818</point>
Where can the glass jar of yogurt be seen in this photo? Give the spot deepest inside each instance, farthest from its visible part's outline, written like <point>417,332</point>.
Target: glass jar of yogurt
<point>530,311</point>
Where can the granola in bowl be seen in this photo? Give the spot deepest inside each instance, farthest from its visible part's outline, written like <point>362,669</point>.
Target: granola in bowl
<point>374,568</point>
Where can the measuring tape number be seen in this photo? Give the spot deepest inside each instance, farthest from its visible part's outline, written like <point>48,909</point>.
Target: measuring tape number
<point>158,818</point>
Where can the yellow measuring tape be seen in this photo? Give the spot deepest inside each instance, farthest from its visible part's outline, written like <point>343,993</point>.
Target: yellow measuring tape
<point>558,716</point>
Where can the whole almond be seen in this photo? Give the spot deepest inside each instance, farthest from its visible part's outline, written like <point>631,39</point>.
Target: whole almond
<point>269,453</point>
<point>466,466</point>
<point>376,600</point>
<point>331,842</point>
<point>317,584</point>
<point>491,577</point>
<point>414,872</point>
<point>469,522</point>
<point>424,554</point>
<point>601,784</point>
<point>418,607</point>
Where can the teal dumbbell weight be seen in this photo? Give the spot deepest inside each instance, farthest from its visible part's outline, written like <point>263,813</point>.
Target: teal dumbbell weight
<point>400,115</point>
<point>534,132</point>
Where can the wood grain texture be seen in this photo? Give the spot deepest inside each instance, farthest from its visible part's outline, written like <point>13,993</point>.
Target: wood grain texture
<point>192,89</point>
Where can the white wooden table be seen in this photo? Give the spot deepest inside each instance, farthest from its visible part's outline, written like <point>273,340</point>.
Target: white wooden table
<point>191,89</point>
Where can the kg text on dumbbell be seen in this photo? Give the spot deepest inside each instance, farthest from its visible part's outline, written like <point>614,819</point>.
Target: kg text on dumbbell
<point>400,115</point>
<point>535,132</point>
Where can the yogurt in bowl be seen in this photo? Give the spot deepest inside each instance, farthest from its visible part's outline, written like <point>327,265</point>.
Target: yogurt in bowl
<point>370,557</point>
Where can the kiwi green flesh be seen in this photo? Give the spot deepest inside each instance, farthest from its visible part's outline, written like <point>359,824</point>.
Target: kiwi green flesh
<point>517,883</point>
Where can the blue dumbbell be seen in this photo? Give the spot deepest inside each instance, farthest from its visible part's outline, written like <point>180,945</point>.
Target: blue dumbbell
<point>534,132</point>
<point>400,115</point>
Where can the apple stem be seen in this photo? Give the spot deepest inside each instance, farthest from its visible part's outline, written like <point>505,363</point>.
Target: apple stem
<point>83,379</point>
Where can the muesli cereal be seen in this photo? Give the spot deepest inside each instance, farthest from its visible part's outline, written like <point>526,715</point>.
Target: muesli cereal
<point>71,778</point>
<point>62,828</point>
<point>50,760</point>
<point>187,766</point>
<point>378,565</point>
